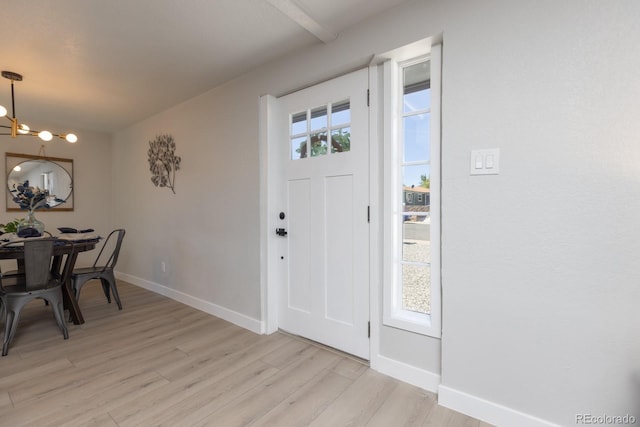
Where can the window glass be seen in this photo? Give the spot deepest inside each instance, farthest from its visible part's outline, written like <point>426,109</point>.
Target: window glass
<point>415,295</point>
<point>416,137</point>
<point>298,148</point>
<point>415,168</point>
<point>340,113</point>
<point>416,87</point>
<point>313,132</point>
<point>415,176</point>
<point>411,105</point>
<point>299,123</point>
<point>341,140</point>
<point>319,118</point>
<point>415,186</point>
<point>416,238</point>
<point>318,144</point>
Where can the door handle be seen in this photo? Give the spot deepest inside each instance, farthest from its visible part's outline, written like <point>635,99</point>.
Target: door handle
<point>281,232</point>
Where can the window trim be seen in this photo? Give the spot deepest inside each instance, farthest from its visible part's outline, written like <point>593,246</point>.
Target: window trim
<point>393,313</point>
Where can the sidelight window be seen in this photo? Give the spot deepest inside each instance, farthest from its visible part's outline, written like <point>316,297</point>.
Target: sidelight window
<point>412,226</point>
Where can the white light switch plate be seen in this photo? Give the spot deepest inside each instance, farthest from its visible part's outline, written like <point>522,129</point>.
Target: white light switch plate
<point>485,162</point>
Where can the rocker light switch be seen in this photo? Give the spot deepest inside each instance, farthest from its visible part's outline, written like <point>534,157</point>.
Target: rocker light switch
<point>488,161</point>
<point>485,162</point>
<point>479,161</point>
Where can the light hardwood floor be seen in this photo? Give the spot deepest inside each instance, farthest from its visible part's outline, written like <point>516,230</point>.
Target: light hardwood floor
<point>159,362</point>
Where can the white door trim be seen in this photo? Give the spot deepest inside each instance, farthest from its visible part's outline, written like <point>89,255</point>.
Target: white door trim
<point>375,222</point>
<point>269,275</point>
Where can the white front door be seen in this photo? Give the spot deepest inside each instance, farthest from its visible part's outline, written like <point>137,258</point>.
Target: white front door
<point>322,158</point>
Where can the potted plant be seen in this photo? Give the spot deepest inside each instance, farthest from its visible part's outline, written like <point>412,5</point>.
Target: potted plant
<point>10,227</point>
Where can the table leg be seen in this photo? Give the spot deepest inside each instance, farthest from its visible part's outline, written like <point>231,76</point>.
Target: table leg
<point>71,303</point>
<point>68,297</point>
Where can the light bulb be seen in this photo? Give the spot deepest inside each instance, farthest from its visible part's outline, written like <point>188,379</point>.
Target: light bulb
<point>3,111</point>
<point>23,129</point>
<point>70,137</point>
<point>45,135</point>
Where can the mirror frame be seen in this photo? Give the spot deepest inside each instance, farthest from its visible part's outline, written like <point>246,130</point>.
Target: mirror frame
<point>12,159</point>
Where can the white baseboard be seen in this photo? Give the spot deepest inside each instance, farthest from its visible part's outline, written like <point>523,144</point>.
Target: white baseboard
<point>234,317</point>
<point>487,411</point>
<point>409,374</point>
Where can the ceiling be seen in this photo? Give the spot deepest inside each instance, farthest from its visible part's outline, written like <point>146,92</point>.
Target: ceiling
<point>103,65</point>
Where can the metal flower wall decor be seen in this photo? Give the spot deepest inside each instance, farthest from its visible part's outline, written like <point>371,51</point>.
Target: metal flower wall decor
<point>163,162</point>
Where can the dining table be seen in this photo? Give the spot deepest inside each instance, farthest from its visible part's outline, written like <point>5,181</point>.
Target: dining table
<point>64,260</point>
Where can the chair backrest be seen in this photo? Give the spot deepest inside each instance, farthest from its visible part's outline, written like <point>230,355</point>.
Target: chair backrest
<point>37,263</point>
<point>118,235</point>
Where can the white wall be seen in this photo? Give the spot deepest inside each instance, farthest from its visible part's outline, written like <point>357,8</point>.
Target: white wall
<point>91,157</point>
<point>540,282</point>
<point>206,233</point>
<point>540,263</point>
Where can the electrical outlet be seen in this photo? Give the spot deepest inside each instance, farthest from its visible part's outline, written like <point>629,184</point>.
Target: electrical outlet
<point>163,266</point>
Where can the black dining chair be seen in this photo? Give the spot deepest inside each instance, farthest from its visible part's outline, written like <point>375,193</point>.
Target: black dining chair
<point>101,269</point>
<point>38,281</point>
<point>17,272</point>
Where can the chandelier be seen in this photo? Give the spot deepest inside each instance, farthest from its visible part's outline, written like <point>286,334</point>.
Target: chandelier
<point>16,128</point>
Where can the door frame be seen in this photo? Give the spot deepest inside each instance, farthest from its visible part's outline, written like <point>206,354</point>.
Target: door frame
<point>271,274</point>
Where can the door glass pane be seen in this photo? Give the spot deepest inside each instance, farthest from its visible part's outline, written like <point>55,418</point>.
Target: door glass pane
<point>416,294</point>
<point>318,144</point>
<point>299,123</point>
<point>416,138</point>
<point>319,118</point>
<point>416,87</point>
<point>340,113</point>
<point>319,122</point>
<point>298,148</point>
<point>341,140</point>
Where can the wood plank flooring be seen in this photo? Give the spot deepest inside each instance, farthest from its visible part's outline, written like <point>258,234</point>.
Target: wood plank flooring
<point>161,363</point>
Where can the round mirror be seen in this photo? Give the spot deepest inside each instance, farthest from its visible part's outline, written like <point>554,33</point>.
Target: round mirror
<point>43,174</point>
